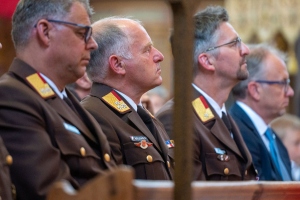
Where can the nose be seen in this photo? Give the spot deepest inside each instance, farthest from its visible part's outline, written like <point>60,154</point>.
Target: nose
<point>290,92</point>
<point>91,44</point>
<point>158,56</point>
<point>244,49</point>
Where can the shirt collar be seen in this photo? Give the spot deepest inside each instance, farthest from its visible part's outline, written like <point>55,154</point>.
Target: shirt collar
<point>212,102</point>
<point>129,100</point>
<point>258,122</point>
<point>54,87</point>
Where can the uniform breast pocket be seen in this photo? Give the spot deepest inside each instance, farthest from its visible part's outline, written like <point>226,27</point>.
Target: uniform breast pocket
<point>76,151</point>
<point>221,165</point>
<point>136,155</point>
<point>147,163</point>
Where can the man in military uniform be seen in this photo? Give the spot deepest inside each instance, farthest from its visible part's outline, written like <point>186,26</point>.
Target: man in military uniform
<point>47,132</point>
<point>6,188</point>
<point>219,63</point>
<point>122,69</point>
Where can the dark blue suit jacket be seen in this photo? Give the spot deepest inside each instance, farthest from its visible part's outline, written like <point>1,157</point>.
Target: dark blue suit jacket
<point>261,157</point>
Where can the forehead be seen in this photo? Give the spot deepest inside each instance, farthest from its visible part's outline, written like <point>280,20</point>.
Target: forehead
<point>292,134</point>
<point>226,32</point>
<point>137,35</point>
<point>137,32</point>
<point>275,67</point>
<point>78,14</point>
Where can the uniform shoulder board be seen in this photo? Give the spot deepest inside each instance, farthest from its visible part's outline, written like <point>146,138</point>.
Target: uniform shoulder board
<point>202,109</point>
<point>40,85</point>
<point>115,101</point>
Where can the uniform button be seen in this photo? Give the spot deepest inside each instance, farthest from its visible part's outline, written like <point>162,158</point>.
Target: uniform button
<point>226,171</point>
<point>149,158</point>
<point>256,171</point>
<point>246,172</point>
<point>106,157</point>
<point>82,151</point>
<point>13,191</point>
<point>9,159</point>
<point>168,164</point>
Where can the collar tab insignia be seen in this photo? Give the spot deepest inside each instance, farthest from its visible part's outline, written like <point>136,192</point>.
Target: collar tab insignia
<point>40,85</point>
<point>143,144</point>
<point>115,101</point>
<point>202,109</point>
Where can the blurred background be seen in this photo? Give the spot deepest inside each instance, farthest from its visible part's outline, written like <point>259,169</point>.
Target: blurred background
<point>272,21</point>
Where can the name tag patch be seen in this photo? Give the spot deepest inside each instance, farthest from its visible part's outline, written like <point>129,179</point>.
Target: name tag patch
<point>71,128</point>
<point>220,151</point>
<point>138,138</point>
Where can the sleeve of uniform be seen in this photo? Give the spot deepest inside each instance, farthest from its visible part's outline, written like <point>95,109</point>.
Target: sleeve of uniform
<point>37,163</point>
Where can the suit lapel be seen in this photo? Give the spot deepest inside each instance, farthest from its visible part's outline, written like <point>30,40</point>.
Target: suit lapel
<point>100,91</point>
<point>70,116</point>
<point>220,131</point>
<point>240,113</point>
<point>240,142</point>
<point>24,71</point>
<point>138,122</point>
<point>207,115</point>
<point>161,141</point>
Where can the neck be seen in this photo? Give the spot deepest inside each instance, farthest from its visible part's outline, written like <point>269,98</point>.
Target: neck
<point>134,93</point>
<point>215,91</point>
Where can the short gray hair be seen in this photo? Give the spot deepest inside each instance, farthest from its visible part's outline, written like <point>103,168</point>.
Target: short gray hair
<point>111,40</point>
<point>28,12</point>
<point>206,24</point>
<point>255,63</point>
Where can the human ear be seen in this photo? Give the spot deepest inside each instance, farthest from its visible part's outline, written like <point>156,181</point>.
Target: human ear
<point>254,90</point>
<point>206,61</point>
<point>43,29</point>
<point>117,64</point>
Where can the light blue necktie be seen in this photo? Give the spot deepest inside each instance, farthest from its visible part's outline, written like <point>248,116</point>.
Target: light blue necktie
<point>273,148</point>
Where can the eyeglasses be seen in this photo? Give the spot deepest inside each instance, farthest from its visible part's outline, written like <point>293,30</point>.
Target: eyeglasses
<point>285,83</point>
<point>88,29</point>
<point>236,41</point>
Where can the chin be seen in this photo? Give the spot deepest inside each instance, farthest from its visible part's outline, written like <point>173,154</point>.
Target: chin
<point>241,75</point>
<point>282,112</point>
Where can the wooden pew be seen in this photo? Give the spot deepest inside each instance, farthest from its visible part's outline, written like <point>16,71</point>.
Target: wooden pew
<point>114,185</point>
<point>120,184</point>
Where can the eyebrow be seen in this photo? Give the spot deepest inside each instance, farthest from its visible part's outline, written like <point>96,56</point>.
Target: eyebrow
<point>149,44</point>
<point>233,38</point>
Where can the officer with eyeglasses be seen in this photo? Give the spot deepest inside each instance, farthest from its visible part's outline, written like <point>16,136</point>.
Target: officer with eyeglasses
<point>47,132</point>
<point>260,99</point>
<point>220,153</point>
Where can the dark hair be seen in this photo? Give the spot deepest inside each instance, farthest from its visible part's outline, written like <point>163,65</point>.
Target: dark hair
<point>28,12</point>
<point>206,24</point>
